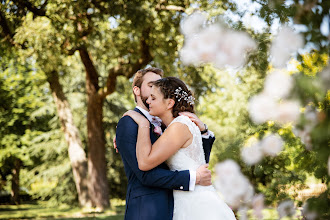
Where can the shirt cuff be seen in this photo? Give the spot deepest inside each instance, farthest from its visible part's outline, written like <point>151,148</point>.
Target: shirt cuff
<point>192,181</point>
<point>208,134</point>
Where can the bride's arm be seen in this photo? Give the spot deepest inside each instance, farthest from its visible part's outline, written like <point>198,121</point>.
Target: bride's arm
<point>149,156</point>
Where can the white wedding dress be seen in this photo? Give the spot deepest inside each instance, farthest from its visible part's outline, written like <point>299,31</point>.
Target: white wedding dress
<point>203,202</point>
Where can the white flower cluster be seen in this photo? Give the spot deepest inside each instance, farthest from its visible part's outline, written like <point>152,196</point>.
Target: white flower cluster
<point>286,208</point>
<point>271,105</point>
<point>236,189</point>
<point>305,133</point>
<point>325,76</point>
<point>232,184</point>
<point>308,214</point>
<point>258,205</point>
<point>270,145</point>
<point>213,43</point>
<point>284,45</point>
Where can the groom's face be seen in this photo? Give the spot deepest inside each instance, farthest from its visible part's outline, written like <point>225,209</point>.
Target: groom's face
<point>146,87</point>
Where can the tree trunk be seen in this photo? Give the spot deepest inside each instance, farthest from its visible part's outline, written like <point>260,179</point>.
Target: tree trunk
<point>15,182</point>
<point>77,154</point>
<point>98,184</point>
<point>97,170</point>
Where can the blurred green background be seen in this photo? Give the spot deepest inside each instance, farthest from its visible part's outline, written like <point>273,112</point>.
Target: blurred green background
<point>65,74</point>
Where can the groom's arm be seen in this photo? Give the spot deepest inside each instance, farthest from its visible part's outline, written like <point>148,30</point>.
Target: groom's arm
<point>126,137</point>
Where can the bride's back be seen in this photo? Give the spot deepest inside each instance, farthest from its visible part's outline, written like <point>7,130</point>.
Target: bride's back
<point>190,157</point>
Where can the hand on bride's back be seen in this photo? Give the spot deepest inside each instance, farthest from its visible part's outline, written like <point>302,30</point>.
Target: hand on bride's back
<point>137,117</point>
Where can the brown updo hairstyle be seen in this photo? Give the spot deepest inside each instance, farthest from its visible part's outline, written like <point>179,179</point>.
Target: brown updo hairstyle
<point>167,87</point>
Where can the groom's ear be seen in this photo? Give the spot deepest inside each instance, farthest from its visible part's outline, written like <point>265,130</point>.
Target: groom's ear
<point>170,103</point>
<point>136,91</point>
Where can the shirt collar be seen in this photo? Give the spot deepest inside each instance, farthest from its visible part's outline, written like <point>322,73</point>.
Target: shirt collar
<point>146,113</point>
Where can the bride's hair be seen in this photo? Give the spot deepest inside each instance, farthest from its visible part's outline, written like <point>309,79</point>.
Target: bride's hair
<point>176,89</point>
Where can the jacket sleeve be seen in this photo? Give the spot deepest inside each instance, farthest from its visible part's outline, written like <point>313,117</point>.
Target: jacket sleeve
<point>207,146</point>
<point>126,137</point>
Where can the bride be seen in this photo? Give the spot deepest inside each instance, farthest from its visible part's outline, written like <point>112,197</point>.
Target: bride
<point>180,146</point>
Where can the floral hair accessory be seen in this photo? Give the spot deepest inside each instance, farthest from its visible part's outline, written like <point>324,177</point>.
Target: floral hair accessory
<point>180,94</point>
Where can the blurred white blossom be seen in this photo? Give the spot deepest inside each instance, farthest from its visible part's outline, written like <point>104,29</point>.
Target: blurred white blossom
<point>304,136</point>
<point>258,205</point>
<point>262,108</point>
<point>286,208</point>
<point>232,49</point>
<point>278,84</point>
<point>252,154</point>
<point>232,184</point>
<point>209,43</point>
<point>213,43</point>
<point>287,112</point>
<point>325,76</point>
<point>284,45</point>
<point>242,213</point>
<point>193,23</point>
<point>308,215</point>
<point>272,144</point>
<point>311,119</point>
<point>249,193</point>
<point>188,54</point>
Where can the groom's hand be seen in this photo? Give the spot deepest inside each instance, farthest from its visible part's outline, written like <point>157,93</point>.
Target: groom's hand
<point>203,175</point>
<point>194,119</point>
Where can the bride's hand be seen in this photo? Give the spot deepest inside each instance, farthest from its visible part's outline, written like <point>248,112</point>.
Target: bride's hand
<point>137,117</point>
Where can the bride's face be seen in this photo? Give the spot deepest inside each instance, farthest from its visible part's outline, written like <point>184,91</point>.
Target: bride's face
<point>157,104</point>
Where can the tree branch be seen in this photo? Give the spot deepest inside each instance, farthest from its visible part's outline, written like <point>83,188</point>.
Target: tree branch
<point>128,69</point>
<point>304,10</point>
<point>170,8</point>
<point>92,81</point>
<point>37,11</point>
<point>8,35</point>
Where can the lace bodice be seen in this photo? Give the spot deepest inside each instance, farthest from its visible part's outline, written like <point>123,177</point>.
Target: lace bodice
<point>192,156</point>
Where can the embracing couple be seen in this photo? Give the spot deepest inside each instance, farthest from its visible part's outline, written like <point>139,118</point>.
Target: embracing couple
<point>166,167</point>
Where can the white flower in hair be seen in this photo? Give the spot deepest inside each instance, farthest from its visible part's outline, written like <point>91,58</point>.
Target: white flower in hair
<point>180,94</point>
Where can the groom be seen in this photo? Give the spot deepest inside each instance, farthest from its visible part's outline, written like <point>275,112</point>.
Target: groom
<point>150,194</point>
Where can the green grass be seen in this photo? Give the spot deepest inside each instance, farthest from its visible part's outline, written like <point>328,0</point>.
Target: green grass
<point>41,210</point>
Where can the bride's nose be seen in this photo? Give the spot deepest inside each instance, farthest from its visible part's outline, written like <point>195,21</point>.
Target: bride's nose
<point>148,100</point>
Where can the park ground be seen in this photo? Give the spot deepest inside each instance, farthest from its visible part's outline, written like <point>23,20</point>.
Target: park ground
<point>42,210</point>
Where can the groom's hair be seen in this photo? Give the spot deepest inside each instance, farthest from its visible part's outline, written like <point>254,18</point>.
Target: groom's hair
<point>138,77</point>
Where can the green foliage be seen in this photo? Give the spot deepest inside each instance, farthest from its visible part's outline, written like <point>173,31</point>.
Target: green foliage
<point>112,32</point>
<point>21,96</point>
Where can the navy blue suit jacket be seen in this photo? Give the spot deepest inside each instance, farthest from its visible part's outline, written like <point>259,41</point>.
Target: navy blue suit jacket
<point>149,193</point>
